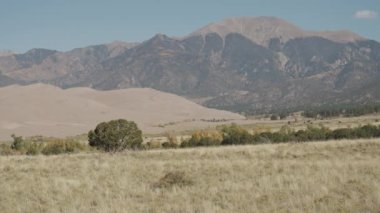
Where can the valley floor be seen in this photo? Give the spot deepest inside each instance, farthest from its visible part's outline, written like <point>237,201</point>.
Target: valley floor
<point>334,176</point>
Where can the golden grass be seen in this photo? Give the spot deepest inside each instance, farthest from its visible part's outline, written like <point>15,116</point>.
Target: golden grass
<point>330,176</point>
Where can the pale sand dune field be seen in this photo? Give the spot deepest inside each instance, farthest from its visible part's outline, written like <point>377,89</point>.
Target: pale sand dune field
<point>41,109</point>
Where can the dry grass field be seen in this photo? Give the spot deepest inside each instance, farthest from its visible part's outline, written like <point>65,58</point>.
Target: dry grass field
<point>334,176</point>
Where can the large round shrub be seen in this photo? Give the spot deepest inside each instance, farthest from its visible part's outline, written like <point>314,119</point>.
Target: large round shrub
<point>116,135</point>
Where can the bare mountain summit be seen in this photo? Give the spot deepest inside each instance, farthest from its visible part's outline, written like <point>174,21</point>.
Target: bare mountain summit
<point>262,29</point>
<point>6,53</point>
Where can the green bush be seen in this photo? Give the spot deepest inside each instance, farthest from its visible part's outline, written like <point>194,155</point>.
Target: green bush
<point>116,135</point>
<point>344,133</point>
<point>367,131</point>
<point>235,134</point>
<point>18,142</point>
<point>317,134</point>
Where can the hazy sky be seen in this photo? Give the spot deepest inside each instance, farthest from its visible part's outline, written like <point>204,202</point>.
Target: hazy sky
<point>66,24</point>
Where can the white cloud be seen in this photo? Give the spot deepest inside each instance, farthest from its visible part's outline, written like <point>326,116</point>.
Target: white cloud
<point>366,14</point>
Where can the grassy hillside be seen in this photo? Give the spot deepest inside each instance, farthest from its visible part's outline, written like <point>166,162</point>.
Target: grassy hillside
<point>339,176</point>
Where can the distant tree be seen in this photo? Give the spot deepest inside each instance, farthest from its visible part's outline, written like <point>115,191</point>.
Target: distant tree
<point>283,115</point>
<point>116,135</point>
<point>274,117</point>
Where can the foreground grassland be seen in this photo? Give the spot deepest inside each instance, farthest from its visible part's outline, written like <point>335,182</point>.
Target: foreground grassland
<point>334,176</point>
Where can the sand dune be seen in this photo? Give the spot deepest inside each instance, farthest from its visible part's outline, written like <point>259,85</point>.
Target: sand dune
<point>42,109</point>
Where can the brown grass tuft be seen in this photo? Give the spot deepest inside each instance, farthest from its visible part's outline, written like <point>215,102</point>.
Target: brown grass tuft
<point>175,178</point>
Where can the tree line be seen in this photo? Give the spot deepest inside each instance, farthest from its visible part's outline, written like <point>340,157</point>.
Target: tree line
<point>341,110</point>
<point>323,111</point>
<point>236,135</point>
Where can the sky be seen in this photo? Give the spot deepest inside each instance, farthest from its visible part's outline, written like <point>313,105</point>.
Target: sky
<point>67,24</point>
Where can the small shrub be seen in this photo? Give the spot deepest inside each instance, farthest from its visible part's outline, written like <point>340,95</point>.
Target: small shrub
<point>62,146</point>
<point>283,116</point>
<point>53,149</point>
<point>274,117</point>
<point>153,144</point>
<point>168,145</point>
<point>34,148</point>
<point>5,149</point>
<point>171,179</point>
<point>17,143</point>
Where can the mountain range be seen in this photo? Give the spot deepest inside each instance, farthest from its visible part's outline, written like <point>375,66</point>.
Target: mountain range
<point>245,64</point>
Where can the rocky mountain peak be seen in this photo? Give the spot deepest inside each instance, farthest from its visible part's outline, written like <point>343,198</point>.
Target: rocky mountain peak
<point>262,29</point>
<point>40,51</point>
<point>159,37</point>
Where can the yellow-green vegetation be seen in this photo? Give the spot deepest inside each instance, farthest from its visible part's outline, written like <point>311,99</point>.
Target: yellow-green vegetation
<point>334,176</point>
<point>42,145</point>
<point>118,135</point>
<point>204,138</point>
<point>237,135</point>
